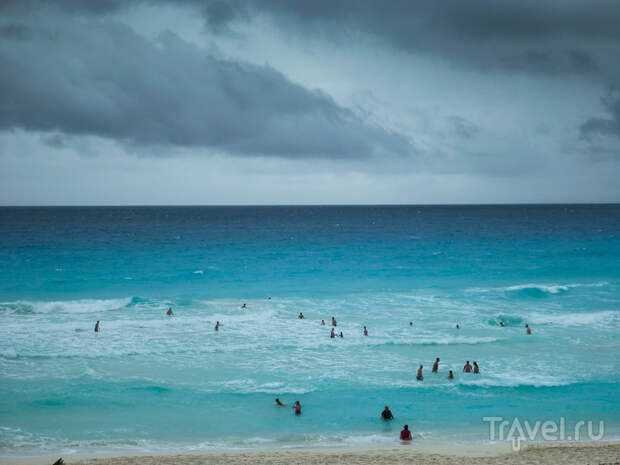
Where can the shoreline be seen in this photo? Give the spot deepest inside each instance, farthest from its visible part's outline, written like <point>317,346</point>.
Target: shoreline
<point>413,453</point>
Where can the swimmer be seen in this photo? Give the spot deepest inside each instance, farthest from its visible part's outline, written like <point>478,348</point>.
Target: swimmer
<point>476,369</point>
<point>301,316</point>
<point>280,403</point>
<point>170,312</point>
<point>436,365</point>
<point>332,334</point>
<point>97,326</point>
<point>297,407</point>
<point>341,335</point>
<point>387,414</point>
<point>450,375</point>
<point>217,326</point>
<point>322,322</point>
<point>457,326</point>
<point>405,434</point>
<point>365,331</point>
<point>334,323</point>
<point>467,367</point>
<point>501,323</point>
<point>528,329</point>
<point>244,306</point>
<point>419,376</point>
<point>411,323</point>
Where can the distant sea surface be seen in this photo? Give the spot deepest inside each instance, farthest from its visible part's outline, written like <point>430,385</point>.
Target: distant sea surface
<point>151,382</point>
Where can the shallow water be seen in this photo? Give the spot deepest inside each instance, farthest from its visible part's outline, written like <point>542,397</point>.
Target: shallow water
<point>151,382</point>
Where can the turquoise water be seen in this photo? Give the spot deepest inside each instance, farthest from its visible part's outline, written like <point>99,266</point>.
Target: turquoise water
<point>151,382</point>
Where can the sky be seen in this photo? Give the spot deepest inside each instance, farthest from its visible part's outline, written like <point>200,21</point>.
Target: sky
<point>215,102</point>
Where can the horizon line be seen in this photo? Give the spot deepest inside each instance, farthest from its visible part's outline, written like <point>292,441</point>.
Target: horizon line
<point>507,204</point>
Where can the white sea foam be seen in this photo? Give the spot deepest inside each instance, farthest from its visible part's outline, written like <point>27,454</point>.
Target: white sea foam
<point>67,306</point>
<point>604,318</point>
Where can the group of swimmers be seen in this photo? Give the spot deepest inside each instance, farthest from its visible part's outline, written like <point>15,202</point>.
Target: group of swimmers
<point>386,414</point>
<point>296,406</point>
<point>405,434</point>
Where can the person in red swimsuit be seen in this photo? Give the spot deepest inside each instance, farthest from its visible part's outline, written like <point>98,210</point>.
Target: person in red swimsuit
<point>405,434</point>
<point>467,367</point>
<point>297,407</point>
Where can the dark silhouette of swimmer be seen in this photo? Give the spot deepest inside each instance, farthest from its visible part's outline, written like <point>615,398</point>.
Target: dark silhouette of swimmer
<point>365,331</point>
<point>341,335</point>
<point>301,316</point>
<point>332,334</point>
<point>297,407</point>
<point>467,367</point>
<point>244,306</point>
<point>170,312</point>
<point>411,323</point>
<point>436,365</point>
<point>97,326</point>
<point>322,322</point>
<point>457,326</point>
<point>476,369</point>
<point>334,323</point>
<point>501,323</point>
<point>405,434</point>
<point>387,414</point>
<point>280,403</point>
<point>217,326</point>
<point>528,329</point>
<point>419,376</point>
<point>450,375</point>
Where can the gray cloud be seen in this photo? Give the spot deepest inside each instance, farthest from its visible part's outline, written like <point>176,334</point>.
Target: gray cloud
<point>604,126</point>
<point>550,37</point>
<point>97,77</point>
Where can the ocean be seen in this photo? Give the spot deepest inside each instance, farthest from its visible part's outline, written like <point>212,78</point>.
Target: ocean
<point>151,382</point>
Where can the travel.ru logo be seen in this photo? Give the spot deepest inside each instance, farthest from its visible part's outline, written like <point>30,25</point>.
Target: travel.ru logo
<point>518,431</point>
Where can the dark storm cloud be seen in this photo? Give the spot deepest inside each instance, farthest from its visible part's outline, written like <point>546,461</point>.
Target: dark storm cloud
<point>549,36</point>
<point>604,126</point>
<point>97,77</point>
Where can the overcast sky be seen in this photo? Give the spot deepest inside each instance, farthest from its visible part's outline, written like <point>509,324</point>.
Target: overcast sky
<point>309,102</point>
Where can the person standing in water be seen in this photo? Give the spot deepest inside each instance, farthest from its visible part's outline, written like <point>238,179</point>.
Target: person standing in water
<point>365,331</point>
<point>301,316</point>
<point>332,334</point>
<point>419,376</point>
<point>476,369</point>
<point>467,367</point>
<point>170,312</point>
<point>528,329</point>
<point>458,326</point>
<point>411,323</point>
<point>217,326</point>
<point>97,326</point>
<point>334,323</point>
<point>322,322</point>
<point>244,306</point>
<point>405,434</point>
<point>450,375</point>
<point>341,335</point>
<point>387,414</point>
<point>501,323</point>
<point>297,407</point>
<point>436,365</point>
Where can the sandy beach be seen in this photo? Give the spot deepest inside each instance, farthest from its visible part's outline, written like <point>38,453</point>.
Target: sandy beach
<point>566,454</point>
